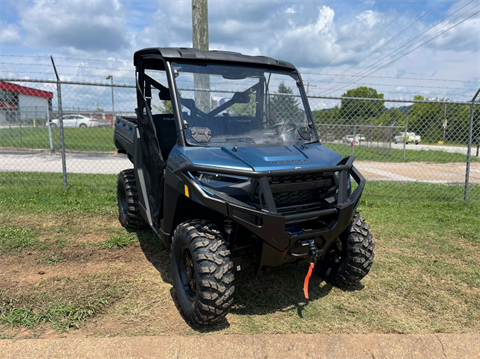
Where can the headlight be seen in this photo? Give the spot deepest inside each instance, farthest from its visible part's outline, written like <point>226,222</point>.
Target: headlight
<point>217,180</point>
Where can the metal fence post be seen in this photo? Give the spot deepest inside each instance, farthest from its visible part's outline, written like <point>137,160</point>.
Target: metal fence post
<point>60,122</point>
<point>469,150</point>
<point>467,171</point>
<point>49,130</point>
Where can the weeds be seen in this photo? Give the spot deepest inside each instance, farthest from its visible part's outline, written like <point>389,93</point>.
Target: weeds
<point>122,240</point>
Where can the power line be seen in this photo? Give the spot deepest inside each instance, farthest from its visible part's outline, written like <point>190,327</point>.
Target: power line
<point>405,54</point>
<point>383,28</point>
<point>394,37</point>
<point>398,48</point>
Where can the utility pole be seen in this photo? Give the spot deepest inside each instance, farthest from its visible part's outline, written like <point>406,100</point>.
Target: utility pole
<point>200,24</point>
<point>308,87</point>
<point>200,42</point>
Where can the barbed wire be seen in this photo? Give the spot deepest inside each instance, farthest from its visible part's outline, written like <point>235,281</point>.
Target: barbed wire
<point>68,66</point>
<point>65,58</point>
<point>305,74</point>
<point>330,82</point>
<point>67,74</point>
<point>395,85</point>
<point>391,77</point>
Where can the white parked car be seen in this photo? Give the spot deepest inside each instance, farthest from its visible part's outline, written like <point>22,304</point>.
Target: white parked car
<point>80,121</point>
<point>357,138</point>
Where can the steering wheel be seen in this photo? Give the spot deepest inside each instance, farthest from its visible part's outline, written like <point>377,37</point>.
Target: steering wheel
<point>284,127</point>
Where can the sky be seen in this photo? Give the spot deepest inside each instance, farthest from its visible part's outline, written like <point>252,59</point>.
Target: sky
<point>337,45</point>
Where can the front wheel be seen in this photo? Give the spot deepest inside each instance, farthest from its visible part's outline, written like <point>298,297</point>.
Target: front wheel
<point>350,256</point>
<point>202,272</point>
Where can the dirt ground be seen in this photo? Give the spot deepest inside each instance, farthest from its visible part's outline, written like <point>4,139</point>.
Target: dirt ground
<point>143,301</point>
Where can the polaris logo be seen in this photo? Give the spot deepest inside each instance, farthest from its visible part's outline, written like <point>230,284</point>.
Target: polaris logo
<point>289,161</point>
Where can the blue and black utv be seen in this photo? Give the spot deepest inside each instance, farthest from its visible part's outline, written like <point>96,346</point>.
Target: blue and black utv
<point>229,172</point>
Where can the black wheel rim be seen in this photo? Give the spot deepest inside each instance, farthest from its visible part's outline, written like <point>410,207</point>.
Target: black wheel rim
<point>187,273</point>
<point>122,199</point>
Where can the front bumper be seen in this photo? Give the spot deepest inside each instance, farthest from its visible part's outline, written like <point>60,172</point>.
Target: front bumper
<point>280,244</point>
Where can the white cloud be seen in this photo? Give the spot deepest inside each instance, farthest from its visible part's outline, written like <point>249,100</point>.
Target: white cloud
<point>369,18</point>
<point>10,33</point>
<point>459,38</point>
<point>312,43</point>
<point>290,10</point>
<point>79,26</point>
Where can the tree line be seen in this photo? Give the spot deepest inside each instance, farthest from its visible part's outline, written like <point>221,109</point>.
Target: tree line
<point>425,119</point>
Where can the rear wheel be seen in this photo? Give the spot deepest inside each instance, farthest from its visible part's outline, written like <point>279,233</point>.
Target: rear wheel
<point>202,272</point>
<point>82,125</point>
<point>350,256</point>
<point>127,199</point>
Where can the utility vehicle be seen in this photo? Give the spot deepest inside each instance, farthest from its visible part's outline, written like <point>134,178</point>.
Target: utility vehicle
<point>230,174</point>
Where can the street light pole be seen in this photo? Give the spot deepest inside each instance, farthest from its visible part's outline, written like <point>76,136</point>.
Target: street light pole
<point>110,77</point>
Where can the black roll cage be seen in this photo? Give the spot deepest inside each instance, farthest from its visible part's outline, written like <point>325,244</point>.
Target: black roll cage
<point>153,62</point>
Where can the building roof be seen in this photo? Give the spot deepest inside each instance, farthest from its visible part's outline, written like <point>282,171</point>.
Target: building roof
<point>192,54</point>
<point>25,90</point>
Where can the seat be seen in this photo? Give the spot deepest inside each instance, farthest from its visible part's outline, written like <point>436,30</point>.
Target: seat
<point>166,133</point>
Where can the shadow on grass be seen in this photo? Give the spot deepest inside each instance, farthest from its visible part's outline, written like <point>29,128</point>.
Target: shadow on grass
<point>278,290</point>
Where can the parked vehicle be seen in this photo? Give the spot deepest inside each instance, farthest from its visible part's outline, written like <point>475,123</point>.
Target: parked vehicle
<point>411,138</point>
<point>226,192</point>
<point>357,138</point>
<point>328,137</point>
<point>80,121</point>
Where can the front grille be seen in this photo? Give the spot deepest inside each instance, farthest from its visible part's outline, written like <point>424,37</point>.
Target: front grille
<point>296,197</point>
<point>299,178</point>
<point>301,189</point>
<point>299,192</point>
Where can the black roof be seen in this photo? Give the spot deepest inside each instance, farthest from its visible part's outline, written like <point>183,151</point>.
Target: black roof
<point>185,53</point>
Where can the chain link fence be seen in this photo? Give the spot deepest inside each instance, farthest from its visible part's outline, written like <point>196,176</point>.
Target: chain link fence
<point>429,148</point>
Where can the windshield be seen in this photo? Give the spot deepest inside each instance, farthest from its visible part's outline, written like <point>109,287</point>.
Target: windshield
<point>241,106</point>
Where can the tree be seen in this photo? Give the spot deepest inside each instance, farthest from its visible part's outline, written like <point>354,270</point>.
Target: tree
<point>427,120</point>
<point>244,109</point>
<point>284,107</point>
<point>166,108</point>
<point>326,116</point>
<point>361,111</point>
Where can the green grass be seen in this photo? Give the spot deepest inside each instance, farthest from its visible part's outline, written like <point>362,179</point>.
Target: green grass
<point>76,139</point>
<point>69,309</point>
<point>425,277</point>
<point>364,153</point>
<point>122,240</point>
<point>86,194</point>
<point>101,139</point>
<point>16,239</point>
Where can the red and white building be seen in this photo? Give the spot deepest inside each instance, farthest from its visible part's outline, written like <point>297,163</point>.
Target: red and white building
<point>20,102</point>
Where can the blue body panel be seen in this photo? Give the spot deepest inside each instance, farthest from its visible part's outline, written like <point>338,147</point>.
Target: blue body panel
<point>255,158</point>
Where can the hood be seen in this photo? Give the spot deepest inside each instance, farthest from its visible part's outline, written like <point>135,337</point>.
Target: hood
<point>260,158</point>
